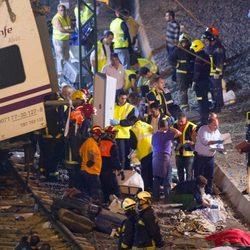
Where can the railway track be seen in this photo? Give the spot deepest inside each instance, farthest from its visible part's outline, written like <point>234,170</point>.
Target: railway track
<point>25,210</point>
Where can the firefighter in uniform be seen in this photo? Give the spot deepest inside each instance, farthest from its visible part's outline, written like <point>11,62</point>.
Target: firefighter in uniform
<point>127,230</point>
<point>147,231</point>
<point>216,53</point>
<point>110,163</point>
<point>184,151</point>
<point>140,140</point>
<point>201,79</point>
<point>122,111</point>
<point>157,94</point>
<point>184,63</point>
<point>122,42</point>
<point>91,164</point>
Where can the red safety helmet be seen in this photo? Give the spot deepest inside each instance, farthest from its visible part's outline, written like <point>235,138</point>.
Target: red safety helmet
<point>111,129</point>
<point>214,31</point>
<point>96,130</point>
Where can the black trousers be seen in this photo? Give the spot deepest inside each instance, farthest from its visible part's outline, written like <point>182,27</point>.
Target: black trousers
<point>147,172</point>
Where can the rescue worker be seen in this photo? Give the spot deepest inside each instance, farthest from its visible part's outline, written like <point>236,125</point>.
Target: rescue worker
<point>122,42</point>
<point>130,80</point>
<point>217,56</point>
<point>184,149</point>
<point>140,140</point>
<point>201,79</point>
<point>143,83</point>
<point>51,141</point>
<point>122,111</point>
<point>91,164</point>
<point>127,230</point>
<point>157,94</point>
<point>147,230</point>
<point>110,163</point>
<point>61,34</point>
<point>184,63</point>
<point>104,51</point>
<point>87,24</point>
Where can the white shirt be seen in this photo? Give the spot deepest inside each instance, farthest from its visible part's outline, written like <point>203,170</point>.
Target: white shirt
<point>118,74</point>
<point>203,137</point>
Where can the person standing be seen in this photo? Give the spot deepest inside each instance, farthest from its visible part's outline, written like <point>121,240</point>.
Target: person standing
<point>61,34</point>
<point>140,140</point>
<point>201,79</point>
<point>172,32</point>
<point>122,42</point>
<point>183,61</point>
<point>147,230</point>
<point>162,150</point>
<point>91,164</point>
<point>207,136</point>
<point>116,70</point>
<point>216,52</point>
<point>184,150</point>
<point>110,163</point>
<point>104,51</point>
<point>122,112</point>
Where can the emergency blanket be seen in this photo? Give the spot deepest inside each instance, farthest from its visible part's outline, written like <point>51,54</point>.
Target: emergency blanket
<point>230,236</point>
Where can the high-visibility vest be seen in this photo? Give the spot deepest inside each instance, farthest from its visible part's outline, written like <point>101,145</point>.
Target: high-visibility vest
<point>102,59</point>
<point>186,136</point>
<point>66,24</point>
<point>161,100</point>
<point>128,72</point>
<point>115,27</point>
<point>143,132</point>
<point>105,147</point>
<point>85,13</point>
<point>121,113</point>
<point>143,62</point>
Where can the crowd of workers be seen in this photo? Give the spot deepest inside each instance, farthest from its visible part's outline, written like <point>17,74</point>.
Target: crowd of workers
<point>146,119</point>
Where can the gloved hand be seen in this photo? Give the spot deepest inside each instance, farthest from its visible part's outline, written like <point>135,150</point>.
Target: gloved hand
<point>121,174</point>
<point>90,163</point>
<point>114,122</point>
<point>216,76</point>
<point>193,85</point>
<point>219,141</point>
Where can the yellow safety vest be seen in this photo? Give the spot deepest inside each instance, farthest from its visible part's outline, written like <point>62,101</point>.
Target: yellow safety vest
<point>85,13</point>
<point>66,24</point>
<point>143,132</point>
<point>119,41</point>
<point>143,62</point>
<point>128,72</point>
<point>186,135</point>
<point>121,113</point>
<point>213,69</point>
<point>102,59</point>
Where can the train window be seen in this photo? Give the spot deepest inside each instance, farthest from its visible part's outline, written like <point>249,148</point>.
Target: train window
<point>11,67</point>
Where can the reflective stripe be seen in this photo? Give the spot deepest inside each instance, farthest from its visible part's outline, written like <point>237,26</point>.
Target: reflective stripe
<point>199,98</point>
<point>181,71</point>
<point>213,69</point>
<point>182,61</point>
<point>170,101</point>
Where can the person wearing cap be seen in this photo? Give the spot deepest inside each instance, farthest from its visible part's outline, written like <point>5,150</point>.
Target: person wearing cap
<point>217,56</point>
<point>183,61</point>
<point>184,148</point>
<point>157,94</point>
<point>140,140</point>
<point>110,163</point>
<point>127,229</point>
<point>91,164</point>
<point>162,150</point>
<point>61,34</point>
<point>147,230</point>
<point>104,51</point>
